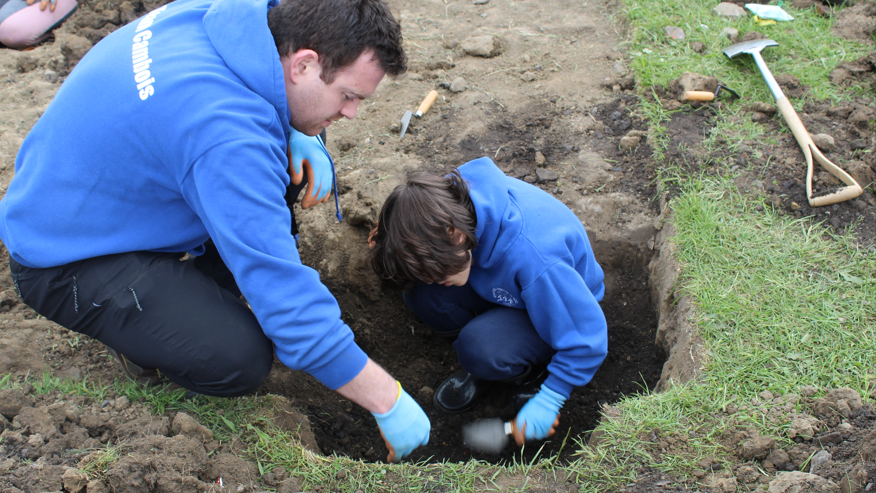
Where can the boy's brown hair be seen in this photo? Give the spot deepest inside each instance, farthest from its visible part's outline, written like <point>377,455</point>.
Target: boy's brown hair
<point>425,230</point>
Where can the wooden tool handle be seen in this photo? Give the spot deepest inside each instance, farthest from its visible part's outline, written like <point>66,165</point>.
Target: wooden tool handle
<point>518,434</point>
<point>841,195</point>
<point>698,96</point>
<point>812,155</point>
<point>427,103</point>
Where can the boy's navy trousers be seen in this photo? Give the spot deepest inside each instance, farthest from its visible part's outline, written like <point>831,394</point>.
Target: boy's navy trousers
<point>493,342</point>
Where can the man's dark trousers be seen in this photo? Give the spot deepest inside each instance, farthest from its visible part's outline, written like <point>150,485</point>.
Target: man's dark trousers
<point>184,318</point>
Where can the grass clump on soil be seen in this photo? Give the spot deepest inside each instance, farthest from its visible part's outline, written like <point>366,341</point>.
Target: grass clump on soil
<point>224,417</point>
<point>98,462</point>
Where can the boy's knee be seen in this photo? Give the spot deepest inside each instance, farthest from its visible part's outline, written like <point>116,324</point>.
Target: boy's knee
<point>473,354</point>
<point>444,314</point>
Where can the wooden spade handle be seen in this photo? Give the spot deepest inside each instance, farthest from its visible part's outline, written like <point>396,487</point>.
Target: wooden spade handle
<point>698,96</point>
<point>811,152</point>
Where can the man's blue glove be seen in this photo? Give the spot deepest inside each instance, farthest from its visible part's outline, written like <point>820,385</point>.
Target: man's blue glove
<point>540,416</point>
<point>308,156</point>
<point>404,427</point>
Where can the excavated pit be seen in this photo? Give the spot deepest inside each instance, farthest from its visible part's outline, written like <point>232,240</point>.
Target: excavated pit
<point>643,323</point>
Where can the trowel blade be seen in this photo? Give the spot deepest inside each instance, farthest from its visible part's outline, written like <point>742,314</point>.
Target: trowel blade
<point>405,121</point>
<point>486,435</point>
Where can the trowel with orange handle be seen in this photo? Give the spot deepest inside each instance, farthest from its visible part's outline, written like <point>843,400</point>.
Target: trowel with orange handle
<point>810,152</point>
<point>421,110</point>
<point>708,95</point>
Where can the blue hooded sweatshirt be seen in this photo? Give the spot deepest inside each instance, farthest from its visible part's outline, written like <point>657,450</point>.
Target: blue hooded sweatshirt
<point>533,254</point>
<point>170,131</point>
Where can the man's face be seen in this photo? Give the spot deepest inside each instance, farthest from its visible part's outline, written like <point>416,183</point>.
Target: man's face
<point>314,104</point>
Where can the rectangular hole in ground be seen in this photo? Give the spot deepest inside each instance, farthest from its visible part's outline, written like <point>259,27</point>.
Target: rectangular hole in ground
<point>387,330</point>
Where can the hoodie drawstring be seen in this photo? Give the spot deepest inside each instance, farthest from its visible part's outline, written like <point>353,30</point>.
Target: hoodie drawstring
<point>334,179</point>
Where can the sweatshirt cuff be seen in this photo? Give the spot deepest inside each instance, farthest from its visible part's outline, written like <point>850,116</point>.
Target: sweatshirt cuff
<point>342,368</point>
<point>558,385</point>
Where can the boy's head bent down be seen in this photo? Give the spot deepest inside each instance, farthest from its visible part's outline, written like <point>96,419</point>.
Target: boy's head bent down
<point>425,230</point>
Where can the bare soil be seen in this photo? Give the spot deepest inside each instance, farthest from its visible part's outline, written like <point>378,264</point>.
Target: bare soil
<point>552,101</point>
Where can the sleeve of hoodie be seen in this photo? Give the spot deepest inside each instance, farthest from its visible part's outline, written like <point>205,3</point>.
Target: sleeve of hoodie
<point>237,188</point>
<point>567,316</point>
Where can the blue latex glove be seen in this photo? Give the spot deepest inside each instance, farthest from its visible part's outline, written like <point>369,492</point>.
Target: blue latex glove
<point>308,156</point>
<point>404,427</point>
<point>540,416</point>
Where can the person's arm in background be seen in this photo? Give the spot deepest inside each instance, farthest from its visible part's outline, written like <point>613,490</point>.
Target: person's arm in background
<point>402,422</point>
<point>23,24</point>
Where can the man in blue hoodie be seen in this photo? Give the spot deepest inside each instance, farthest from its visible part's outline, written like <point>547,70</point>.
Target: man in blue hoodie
<point>173,135</point>
<point>505,270</point>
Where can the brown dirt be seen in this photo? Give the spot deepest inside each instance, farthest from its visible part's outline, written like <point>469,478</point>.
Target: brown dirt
<point>559,90</point>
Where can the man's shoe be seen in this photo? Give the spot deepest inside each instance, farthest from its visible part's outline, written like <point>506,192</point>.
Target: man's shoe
<point>526,385</point>
<point>460,392</point>
<point>148,377</point>
<point>144,376</point>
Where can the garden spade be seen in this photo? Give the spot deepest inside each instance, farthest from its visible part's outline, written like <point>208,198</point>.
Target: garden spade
<point>421,110</point>
<point>853,189</point>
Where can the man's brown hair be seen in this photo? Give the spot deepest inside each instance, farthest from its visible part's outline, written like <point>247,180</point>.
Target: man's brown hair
<point>339,31</point>
<point>425,230</point>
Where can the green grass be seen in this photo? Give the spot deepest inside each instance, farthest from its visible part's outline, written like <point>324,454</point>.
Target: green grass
<point>97,463</point>
<point>781,303</point>
<point>336,473</point>
<point>224,417</point>
<point>48,383</point>
<point>806,50</point>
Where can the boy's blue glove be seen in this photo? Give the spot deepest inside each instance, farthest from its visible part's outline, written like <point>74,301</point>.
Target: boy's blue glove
<point>308,155</point>
<point>404,427</point>
<point>541,415</point>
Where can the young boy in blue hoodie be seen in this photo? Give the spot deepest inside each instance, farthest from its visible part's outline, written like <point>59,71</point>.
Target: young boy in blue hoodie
<point>507,270</point>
